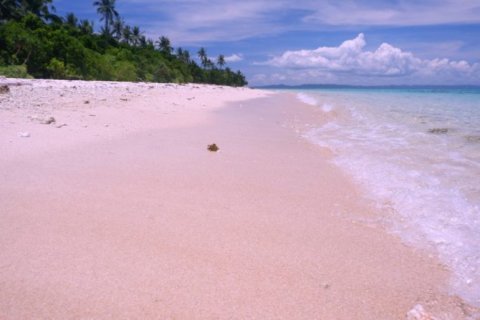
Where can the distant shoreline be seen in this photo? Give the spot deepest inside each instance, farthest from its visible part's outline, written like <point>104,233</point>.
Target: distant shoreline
<point>339,86</point>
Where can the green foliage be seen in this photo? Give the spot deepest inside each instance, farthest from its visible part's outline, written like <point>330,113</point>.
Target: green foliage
<point>56,68</point>
<point>35,42</point>
<point>15,71</point>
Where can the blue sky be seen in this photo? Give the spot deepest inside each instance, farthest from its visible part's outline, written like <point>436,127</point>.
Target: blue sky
<point>315,41</point>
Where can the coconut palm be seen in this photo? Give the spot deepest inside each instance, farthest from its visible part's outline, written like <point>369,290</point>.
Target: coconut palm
<point>221,61</point>
<point>202,54</point>
<point>86,27</point>
<point>118,29</point>
<point>183,55</point>
<point>71,19</point>
<point>165,45</point>
<point>136,36</point>
<point>127,34</point>
<point>106,8</point>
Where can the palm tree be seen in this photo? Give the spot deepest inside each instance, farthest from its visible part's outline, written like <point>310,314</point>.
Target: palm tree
<point>221,61</point>
<point>183,55</point>
<point>136,35</point>
<point>106,8</point>
<point>165,45</point>
<point>209,64</point>
<point>127,34</point>
<point>202,54</point>
<point>86,27</point>
<point>71,19</point>
<point>143,41</point>
<point>118,29</point>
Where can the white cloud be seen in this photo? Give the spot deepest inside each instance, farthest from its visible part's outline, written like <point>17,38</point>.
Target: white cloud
<point>234,57</point>
<point>386,61</point>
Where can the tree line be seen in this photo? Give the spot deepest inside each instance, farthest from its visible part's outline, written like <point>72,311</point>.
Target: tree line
<point>35,42</point>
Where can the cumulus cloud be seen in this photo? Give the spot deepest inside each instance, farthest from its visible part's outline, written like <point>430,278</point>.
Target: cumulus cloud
<point>386,61</point>
<point>234,57</point>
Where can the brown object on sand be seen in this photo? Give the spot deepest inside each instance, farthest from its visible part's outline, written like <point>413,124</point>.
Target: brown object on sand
<point>213,147</point>
<point>4,89</point>
<point>50,120</point>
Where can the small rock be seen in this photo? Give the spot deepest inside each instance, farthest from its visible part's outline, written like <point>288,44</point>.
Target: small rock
<point>4,89</point>
<point>49,120</point>
<point>24,134</point>
<point>213,147</point>
<point>92,115</point>
<point>62,125</point>
<point>124,99</point>
<point>86,102</point>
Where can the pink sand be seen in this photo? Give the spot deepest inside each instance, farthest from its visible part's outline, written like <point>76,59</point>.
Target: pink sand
<point>124,214</point>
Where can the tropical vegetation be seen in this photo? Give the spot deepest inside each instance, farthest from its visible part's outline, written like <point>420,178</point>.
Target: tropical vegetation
<point>35,42</point>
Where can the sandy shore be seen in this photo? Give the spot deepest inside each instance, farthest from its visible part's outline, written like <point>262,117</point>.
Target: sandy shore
<point>111,207</point>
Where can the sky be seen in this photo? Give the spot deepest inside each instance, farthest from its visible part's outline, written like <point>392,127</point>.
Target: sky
<point>391,42</point>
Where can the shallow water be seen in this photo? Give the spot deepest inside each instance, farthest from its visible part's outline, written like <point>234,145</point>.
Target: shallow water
<point>416,153</point>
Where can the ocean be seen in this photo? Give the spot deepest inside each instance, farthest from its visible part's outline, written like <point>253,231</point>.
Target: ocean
<point>416,153</point>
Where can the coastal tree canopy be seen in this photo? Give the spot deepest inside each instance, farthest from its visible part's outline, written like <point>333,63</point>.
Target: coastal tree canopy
<point>35,42</point>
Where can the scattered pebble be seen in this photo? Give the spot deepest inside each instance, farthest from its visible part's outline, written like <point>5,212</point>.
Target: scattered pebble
<point>4,89</point>
<point>24,134</point>
<point>62,125</point>
<point>49,120</point>
<point>86,102</point>
<point>438,130</point>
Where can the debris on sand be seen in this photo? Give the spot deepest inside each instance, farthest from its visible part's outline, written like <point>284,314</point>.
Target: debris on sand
<point>438,130</point>
<point>213,147</point>
<point>49,120</point>
<point>4,89</point>
<point>24,134</point>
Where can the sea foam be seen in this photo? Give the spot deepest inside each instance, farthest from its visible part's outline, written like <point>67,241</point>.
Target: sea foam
<point>305,98</point>
<point>424,177</point>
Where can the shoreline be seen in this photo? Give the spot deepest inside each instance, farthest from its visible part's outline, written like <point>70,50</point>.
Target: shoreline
<point>131,216</point>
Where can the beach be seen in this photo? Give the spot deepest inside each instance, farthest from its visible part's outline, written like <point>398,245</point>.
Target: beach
<point>111,207</point>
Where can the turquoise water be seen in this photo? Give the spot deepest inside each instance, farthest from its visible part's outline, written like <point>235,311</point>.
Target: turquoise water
<point>416,153</point>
